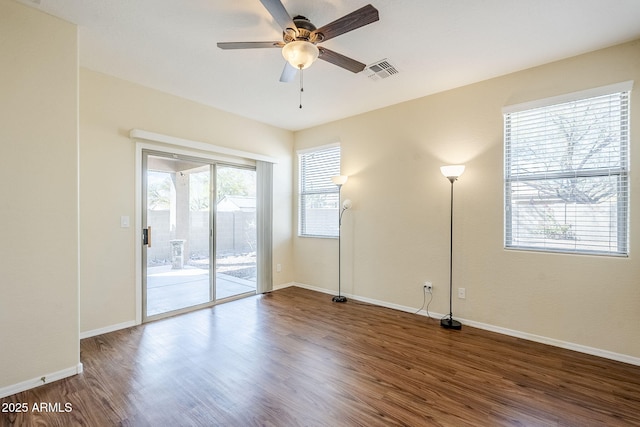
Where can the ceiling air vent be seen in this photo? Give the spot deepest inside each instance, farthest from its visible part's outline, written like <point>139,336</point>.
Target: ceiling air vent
<point>381,70</point>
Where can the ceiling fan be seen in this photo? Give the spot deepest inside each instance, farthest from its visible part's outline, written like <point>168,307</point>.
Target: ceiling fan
<point>300,38</point>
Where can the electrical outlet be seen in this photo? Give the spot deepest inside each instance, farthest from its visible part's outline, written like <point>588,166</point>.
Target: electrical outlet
<point>462,293</point>
<point>428,287</point>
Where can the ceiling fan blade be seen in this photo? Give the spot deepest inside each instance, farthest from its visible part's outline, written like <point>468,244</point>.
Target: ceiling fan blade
<point>359,18</point>
<point>340,60</point>
<point>248,45</point>
<point>280,14</point>
<point>288,73</point>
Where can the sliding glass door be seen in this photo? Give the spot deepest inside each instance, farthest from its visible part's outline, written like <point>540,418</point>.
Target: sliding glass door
<point>199,233</point>
<point>236,237</point>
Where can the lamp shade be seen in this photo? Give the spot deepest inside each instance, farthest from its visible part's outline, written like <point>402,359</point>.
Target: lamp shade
<point>300,54</point>
<point>340,179</point>
<point>347,204</point>
<point>452,171</point>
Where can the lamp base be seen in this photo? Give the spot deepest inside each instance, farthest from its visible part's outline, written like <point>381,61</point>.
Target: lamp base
<point>339,298</point>
<point>449,323</point>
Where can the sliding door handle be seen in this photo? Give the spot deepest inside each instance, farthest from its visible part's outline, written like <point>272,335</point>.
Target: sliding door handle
<point>146,236</point>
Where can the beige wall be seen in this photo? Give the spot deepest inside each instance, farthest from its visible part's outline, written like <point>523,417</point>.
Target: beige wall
<point>109,109</point>
<point>39,187</point>
<point>397,235</point>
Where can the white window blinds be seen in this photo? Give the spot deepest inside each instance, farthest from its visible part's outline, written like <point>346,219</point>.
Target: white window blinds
<point>319,197</point>
<point>567,176</point>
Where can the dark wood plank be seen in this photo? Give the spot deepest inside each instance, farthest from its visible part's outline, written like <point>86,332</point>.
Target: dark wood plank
<point>341,60</point>
<point>249,45</point>
<point>293,357</point>
<point>351,21</point>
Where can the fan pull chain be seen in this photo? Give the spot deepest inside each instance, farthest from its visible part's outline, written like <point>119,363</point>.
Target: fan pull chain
<point>301,86</point>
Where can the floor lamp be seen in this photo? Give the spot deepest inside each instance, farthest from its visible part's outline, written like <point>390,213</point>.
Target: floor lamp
<point>451,173</point>
<point>339,181</point>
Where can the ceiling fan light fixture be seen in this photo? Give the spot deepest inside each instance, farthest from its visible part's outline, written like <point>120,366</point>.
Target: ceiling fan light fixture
<point>300,54</point>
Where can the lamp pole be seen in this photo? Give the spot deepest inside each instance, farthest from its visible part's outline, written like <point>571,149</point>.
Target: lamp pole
<point>339,181</point>
<point>340,297</point>
<point>451,173</point>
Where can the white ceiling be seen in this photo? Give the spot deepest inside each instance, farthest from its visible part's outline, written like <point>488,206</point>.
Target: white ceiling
<point>170,45</point>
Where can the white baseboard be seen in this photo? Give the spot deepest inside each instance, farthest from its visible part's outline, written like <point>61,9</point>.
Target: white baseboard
<point>510,332</point>
<point>371,301</point>
<point>107,329</point>
<point>284,285</point>
<point>41,380</point>
<point>556,343</point>
<point>317,289</point>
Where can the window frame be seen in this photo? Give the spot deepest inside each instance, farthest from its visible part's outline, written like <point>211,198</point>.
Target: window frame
<point>329,189</point>
<point>621,238</point>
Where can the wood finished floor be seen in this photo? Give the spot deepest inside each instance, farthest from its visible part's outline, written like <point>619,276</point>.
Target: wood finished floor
<point>294,358</point>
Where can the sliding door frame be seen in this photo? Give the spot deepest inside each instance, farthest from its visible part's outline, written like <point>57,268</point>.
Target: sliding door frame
<point>146,141</point>
<point>212,168</point>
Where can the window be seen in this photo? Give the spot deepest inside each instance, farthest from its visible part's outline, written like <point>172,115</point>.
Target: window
<point>567,173</point>
<point>319,197</point>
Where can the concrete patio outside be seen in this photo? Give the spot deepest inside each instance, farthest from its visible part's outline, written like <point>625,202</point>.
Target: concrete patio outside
<point>172,289</point>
